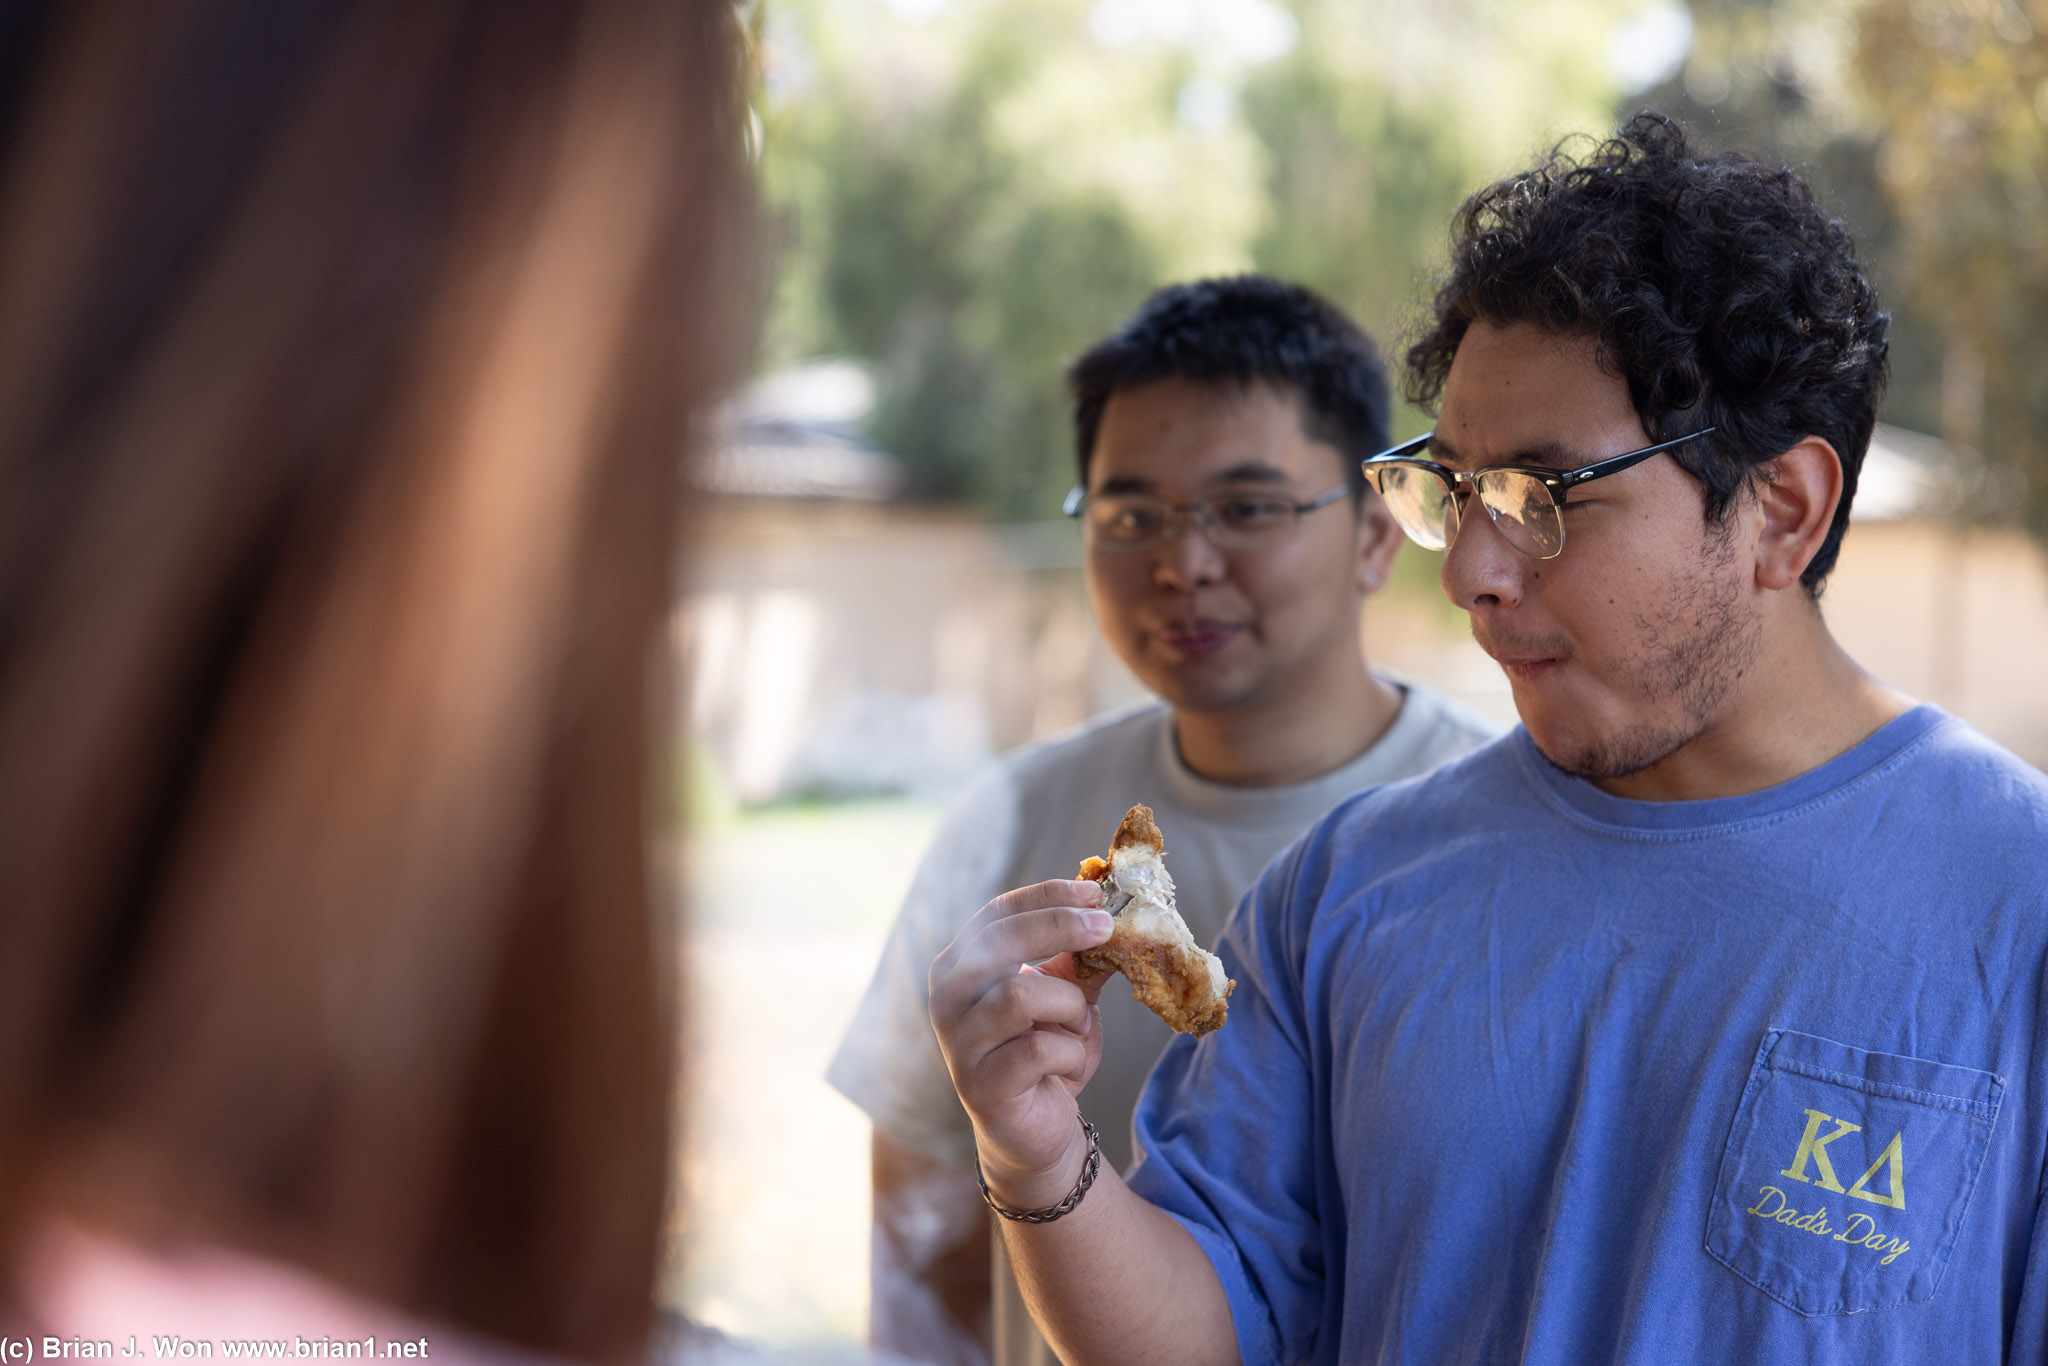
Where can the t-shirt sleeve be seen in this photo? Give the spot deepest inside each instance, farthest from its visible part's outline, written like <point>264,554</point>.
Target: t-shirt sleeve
<point>1227,1130</point>
<point>888,1062</point>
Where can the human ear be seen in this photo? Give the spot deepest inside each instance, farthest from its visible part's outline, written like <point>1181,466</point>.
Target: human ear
<point>1377,541</point>
<point>1796,498</point>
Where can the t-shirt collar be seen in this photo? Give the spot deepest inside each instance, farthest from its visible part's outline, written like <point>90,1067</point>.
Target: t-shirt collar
<point>1296,804</point>
<point>1580,801</point>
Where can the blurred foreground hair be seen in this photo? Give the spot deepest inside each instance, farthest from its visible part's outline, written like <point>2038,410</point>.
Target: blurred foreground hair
<point>346,354</point>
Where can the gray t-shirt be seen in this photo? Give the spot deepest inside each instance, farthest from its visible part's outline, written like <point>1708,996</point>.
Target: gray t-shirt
<point>1035,816</point>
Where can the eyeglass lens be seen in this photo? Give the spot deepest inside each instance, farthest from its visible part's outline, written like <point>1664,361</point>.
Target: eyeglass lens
<point>1421,504</point>
<point>1528,517</point>
<point>1234,520</point>
<point>1519,504</point>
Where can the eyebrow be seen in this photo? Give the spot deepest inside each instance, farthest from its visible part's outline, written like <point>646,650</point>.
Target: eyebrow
<point>1244,472</point>
<point>1547,454</point>
<point>1249,472</point>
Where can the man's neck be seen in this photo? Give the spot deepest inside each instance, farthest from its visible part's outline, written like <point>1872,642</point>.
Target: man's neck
<point>1804,702</point>
<point>1312,730</point>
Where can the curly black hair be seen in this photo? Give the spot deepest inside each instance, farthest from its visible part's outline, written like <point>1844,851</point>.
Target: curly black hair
<point>1714,284</point>
<point>1244,329</point>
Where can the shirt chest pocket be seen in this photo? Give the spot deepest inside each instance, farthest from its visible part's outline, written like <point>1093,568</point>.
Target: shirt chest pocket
<point>1848,1173</point>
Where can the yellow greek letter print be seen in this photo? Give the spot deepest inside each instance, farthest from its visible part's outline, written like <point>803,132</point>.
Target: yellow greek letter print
<point>1812,1145</point>
<point>1894,1154</point>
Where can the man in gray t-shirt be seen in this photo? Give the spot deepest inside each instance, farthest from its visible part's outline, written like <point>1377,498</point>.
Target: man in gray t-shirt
<point>1230,546</point>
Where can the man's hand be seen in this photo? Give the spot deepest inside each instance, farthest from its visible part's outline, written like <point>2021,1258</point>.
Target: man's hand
<point>1116,1281</point>
<point>1021,1040</point>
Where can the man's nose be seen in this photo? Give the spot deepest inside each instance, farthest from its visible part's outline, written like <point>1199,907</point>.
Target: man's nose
<point>1480,569</point>
<point>1185,557</point>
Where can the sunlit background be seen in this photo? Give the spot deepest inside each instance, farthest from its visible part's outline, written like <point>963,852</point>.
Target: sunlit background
<point>962,194</point>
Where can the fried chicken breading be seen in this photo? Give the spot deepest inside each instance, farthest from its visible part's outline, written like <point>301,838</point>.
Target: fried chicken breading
<point>1175,978</point>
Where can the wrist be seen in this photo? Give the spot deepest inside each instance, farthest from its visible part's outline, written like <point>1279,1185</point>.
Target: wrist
<point>1027,1185</point>
<point>1030,1200</point>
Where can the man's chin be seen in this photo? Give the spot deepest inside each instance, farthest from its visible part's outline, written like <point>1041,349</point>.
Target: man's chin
<point>1199,689</point>
<point>1621,753</point>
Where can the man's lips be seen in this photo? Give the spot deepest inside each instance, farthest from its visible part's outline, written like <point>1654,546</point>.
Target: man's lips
<point>1193,639</point>
<point>1524,661</point>
<point>1527,668</point>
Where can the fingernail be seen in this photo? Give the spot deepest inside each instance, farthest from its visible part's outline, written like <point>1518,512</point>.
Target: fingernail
<point>1088,893</point>
<point>1096,922</point>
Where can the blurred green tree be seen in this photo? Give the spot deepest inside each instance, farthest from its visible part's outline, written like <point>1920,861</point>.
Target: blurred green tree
<point>1924,124</point>
<point>1385,117</point>
<point>922,230</point>
<point>965,193</point>
<point>1960,90</point>
<point>1361,188</point>
<point>1776,78</point>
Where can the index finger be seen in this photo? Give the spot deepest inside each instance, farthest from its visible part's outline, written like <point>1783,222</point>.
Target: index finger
<point>1038,896</point>
<point>1026,925</point>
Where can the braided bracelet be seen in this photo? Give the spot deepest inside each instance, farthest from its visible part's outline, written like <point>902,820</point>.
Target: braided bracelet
<point>1064,1207</point>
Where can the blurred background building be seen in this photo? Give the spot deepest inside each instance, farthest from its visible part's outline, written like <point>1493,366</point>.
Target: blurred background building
<point>963,194</point>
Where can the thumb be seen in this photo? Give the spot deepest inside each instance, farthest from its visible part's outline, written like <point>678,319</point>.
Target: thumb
<point>1063,966</point>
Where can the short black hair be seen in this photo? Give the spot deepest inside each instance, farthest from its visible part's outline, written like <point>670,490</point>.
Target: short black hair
<point>1243,330</point>
<point>1714,285</point>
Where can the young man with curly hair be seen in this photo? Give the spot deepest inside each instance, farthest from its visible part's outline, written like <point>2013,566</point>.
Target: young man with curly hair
<point>1702,1017</point>
<point>1230,543</point>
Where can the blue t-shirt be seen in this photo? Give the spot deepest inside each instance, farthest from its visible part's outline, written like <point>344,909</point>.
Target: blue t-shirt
<point>1518,1071</point>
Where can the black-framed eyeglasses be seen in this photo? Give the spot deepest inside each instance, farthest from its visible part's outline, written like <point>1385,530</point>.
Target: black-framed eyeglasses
<point>1231,521</point>
<point>1525,502</point>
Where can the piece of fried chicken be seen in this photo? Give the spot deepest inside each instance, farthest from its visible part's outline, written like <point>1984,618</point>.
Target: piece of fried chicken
<point>1179,981</point>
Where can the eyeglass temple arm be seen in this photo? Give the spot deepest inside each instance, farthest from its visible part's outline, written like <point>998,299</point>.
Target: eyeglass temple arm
<point>1622,462</point>
<point>1396,452</point>
<point>1321,500</point>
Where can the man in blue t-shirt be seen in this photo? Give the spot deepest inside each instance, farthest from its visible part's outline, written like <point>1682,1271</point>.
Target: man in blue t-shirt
<point>1703,1017</point>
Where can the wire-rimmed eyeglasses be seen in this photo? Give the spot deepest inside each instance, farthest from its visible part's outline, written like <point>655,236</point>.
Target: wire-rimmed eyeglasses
<point>1525,502</point>
<point>1231,521</point>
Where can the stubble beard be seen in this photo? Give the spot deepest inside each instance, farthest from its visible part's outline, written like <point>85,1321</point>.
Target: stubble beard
<point>1689,658</point>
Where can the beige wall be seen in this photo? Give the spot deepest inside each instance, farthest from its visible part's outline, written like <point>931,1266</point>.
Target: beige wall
<point>835,638</point>
<point>1951,615</point>
<point>799,612</point>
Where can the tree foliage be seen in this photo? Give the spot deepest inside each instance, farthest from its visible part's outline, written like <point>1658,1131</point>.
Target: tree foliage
<point>965,193</point>
<point>966,196</point>
<point>1923,123</point>
<point>1959,89</point>
<point>928,229</point>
